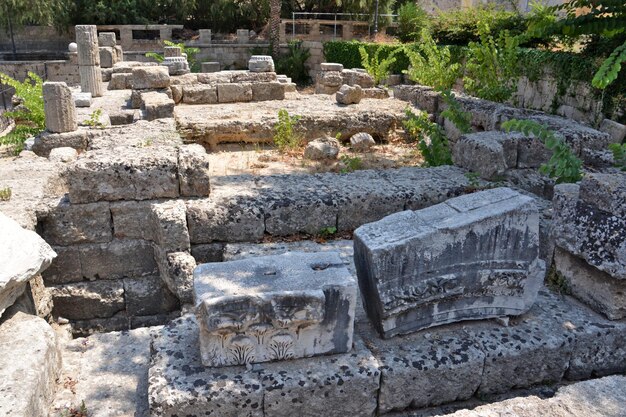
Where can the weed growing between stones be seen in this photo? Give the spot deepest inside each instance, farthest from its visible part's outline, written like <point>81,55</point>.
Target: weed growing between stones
<point>286,136</point>
<point>379,68</point>
<point>432,140</point>
<point>619,155</point>
<point>94,119</point>
<point>80,411</point>
<point>351,164</point>
<point>5,194</point>
<point>563,165</point>
<point>556,282</point>
<point>327,232</point>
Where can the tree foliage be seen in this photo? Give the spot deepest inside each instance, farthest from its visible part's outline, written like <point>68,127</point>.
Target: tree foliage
<point>376,66</point>
<point>432,65</point>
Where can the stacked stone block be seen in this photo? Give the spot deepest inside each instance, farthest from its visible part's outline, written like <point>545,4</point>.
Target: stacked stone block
<point>121,238</point>
<point>174,60</point>
<point>89,60</point>
<point>590,232</point>
<point>332,76</point>
<point>110,52</point>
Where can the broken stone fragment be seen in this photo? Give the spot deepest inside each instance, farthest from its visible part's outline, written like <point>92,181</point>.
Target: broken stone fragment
<point>59,107</point>
<point>322,148</point>
<point>273,308</point>
<point>362,142</point>
<point>144,78</point>
<point>455,261</point>
<point>349,94</point>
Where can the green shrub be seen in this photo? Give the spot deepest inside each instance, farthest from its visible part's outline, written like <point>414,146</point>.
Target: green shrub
<point>286,136</point>
<point>347,54</point>
<point>378,68</point>
<point>563,165</point>
<point>491,68</point>
<point>411,20</point>
<point>431,139</point>
<point>461,26</point>
<point>351,164</point>
<point>29,116</point>
<point>5,193</point>
<point>453,112</point>
<point>293,64</point>
<point>619,155</point>
<point>432,65</point>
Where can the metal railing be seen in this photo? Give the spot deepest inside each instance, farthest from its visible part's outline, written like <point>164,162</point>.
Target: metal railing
<point>348,16</point>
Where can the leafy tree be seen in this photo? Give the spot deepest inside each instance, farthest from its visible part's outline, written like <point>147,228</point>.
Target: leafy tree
<point>15,13</point>
<point>379,68</point>
<point>411,20</point>
<point>604,18</point>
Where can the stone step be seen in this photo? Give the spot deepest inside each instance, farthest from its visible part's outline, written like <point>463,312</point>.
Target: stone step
<point>30,363</point>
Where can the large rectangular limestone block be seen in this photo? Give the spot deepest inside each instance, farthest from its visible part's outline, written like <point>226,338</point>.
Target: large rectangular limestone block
<point>117,259</point>
<point>199,94</point>
<point>472,257</point>
<point>70,224</point>
<point>272,308</point>
<point>124,174</point>
<point>268,91</point>
<point>88,300</point>
<point>108,57</point>
<point>157,105</point>
<point>150,78</point>
<point>234,93</point>
<point>193,171</point>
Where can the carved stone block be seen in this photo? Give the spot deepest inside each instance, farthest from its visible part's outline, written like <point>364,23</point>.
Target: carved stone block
<point>472,257</point>
<point>272,308</point>
<point>59,107</point>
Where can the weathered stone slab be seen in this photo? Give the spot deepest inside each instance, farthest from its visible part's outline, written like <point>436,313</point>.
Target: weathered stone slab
<point>425,369</point>
<point>169,225</point>
<point>176,270</point>
<point>268,91</point>
<point>24,255</point>
<point>59,107</point>
<point>450,262</point>
<point>487,153</point>
<point>108,57</point>
<point>233,213</point>
<point>125,173</point>
<point>145,78</point>
<point>599,344</point>
<point>109,371</point>
<point>347,384</point>
<point>199,94</point>
<point>47,141</point>
<point>131,219</point>
<point>157,105</point>
<point>117,259</point>
<point>70,224</point>
<point>534,349</point>
<point>589,221</point>
<point>425,187</point>
<point>595,288</point>
<point>88,300</point>
<point>193,171</point>
<point>65,268</point>
<point>308,387</point>
<point>121,81</point>
<point>208,252</point>
<point>64,154</point>
<point>30,363</point>
<point>209,67</point>
<point>361,197</point>
<point>147,296</point>
<point>234,93</point>
<point>107,39</point>
<point>296,203</point>
<point>274,308</point>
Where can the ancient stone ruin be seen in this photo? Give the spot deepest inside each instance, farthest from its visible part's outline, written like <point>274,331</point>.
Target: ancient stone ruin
<point>146,271</point>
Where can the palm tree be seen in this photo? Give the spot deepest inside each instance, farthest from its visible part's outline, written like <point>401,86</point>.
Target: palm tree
<point>275,27</point>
